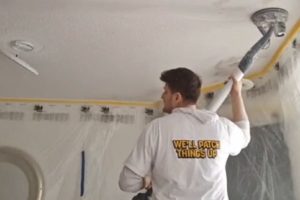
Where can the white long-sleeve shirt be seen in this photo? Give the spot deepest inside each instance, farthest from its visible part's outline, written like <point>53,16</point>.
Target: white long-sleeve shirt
<point>185,153</point>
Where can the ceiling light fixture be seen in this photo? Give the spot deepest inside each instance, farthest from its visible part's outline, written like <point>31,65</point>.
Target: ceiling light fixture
<point>21,45</point>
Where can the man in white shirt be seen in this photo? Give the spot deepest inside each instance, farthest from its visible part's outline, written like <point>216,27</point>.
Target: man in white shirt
<point>183,155</point>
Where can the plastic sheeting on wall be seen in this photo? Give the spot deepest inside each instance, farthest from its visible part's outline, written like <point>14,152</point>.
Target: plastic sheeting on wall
<point>289,92</point>
<point>262,171</point>
<point>55,137</point>
<point>268,169</point>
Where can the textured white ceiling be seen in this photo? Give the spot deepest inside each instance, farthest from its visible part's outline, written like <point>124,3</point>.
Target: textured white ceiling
<point>116,49</point>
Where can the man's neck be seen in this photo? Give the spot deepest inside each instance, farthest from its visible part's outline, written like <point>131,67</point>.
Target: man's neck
<point>187,105</point>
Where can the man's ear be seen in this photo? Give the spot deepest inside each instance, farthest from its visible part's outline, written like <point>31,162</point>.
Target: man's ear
<point>178,97</point>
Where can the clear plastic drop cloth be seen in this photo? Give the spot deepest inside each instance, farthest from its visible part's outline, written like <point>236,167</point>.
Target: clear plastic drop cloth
<point>57,136</point>
<point>262,171</point>
<point>268,169</point>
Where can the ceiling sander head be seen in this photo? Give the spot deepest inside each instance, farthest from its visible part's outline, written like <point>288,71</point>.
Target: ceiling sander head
<point>266,18</point>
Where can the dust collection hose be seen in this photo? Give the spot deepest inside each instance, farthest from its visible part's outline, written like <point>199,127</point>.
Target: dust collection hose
<point>239,73</point>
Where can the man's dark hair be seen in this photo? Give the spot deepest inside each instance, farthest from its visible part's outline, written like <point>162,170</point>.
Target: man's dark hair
<point>184,81</point>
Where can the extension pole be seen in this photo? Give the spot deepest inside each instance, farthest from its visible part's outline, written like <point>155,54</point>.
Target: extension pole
<point>238,74</point>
